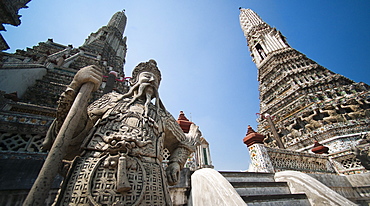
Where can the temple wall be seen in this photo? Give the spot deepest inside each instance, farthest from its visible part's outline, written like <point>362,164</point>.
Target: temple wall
<point>18,80</point>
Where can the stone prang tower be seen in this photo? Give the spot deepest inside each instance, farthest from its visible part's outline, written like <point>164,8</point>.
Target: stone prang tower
<point>109,42</point>
<point>302,102</point>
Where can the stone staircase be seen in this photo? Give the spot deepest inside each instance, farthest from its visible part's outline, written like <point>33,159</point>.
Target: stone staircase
<point>258,189</point>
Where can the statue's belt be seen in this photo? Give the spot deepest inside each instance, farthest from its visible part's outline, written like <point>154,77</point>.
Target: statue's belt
<point>147,159</point>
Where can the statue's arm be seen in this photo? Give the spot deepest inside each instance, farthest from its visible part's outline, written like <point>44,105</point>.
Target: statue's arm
<point>180,145</point>
<point>86,74</point>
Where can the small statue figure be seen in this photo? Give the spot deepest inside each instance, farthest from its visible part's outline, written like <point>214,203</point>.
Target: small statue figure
<point>363,156</point>
<point>362,150</point>
<point>117,150</point>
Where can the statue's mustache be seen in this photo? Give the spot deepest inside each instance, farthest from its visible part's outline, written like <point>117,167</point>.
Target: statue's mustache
<point>140,90</point>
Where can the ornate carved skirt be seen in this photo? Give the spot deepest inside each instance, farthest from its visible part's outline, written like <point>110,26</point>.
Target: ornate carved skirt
<point>97,181</point>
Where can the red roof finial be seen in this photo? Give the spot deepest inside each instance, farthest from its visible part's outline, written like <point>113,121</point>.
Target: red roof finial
<point>182,116</point>
<point>184,122</point>
<point>253,137</point>
<point>250,130</point>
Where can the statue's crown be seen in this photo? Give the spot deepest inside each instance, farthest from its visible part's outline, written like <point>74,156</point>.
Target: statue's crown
<point>149,66</point>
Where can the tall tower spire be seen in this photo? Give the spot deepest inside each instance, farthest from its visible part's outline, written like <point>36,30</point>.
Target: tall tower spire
<point>249,19</point>
<point>301,101</point>
<point>262,38</point>
<point>109,43</point>
<point>118,21</point>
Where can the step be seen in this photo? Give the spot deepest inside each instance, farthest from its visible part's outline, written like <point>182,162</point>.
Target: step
<point>248,176</point>
<point>257,188</point>
<point>277,200</point>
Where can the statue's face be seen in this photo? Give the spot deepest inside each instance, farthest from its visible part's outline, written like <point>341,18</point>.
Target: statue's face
<point>148,77</point>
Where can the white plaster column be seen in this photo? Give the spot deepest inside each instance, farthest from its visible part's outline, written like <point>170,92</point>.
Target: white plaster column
<point>271,42</point>
<point>260,159</point>
<point>256,55</point>
<point>283,45</point>
<point>264,44</point>
<point>208,156</point>
<point>200,156</point>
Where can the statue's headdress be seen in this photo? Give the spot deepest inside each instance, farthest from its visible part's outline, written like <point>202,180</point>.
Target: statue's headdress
<point>149,66</point>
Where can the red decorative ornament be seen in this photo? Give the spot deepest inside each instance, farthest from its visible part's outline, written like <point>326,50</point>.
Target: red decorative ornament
<point>319,148</point>
<point>253,137</point>
<point>184,122</point>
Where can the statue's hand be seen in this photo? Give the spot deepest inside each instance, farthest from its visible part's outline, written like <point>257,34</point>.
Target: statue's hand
<point>90,73</point>
<point>173,173</point>
<point>193,135</point>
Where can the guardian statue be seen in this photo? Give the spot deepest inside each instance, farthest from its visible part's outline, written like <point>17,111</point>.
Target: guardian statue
<point>116,153</point>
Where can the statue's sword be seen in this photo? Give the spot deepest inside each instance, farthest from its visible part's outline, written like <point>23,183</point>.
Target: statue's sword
<point>40,189</point>
<point>123,184</point>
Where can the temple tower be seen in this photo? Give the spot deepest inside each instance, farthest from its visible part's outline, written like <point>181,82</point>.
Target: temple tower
<point>58,63</point>
<point>108,42</point>
<point>300,100</point>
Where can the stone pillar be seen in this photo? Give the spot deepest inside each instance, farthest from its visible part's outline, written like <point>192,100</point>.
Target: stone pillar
<point>274,132</point>
<point>260,160</point>
<point>110,82</point>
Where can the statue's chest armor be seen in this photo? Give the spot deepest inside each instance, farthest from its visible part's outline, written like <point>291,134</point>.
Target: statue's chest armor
<point>134,129</point>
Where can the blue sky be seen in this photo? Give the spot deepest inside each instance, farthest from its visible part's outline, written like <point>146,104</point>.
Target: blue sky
<point>203,56</point>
